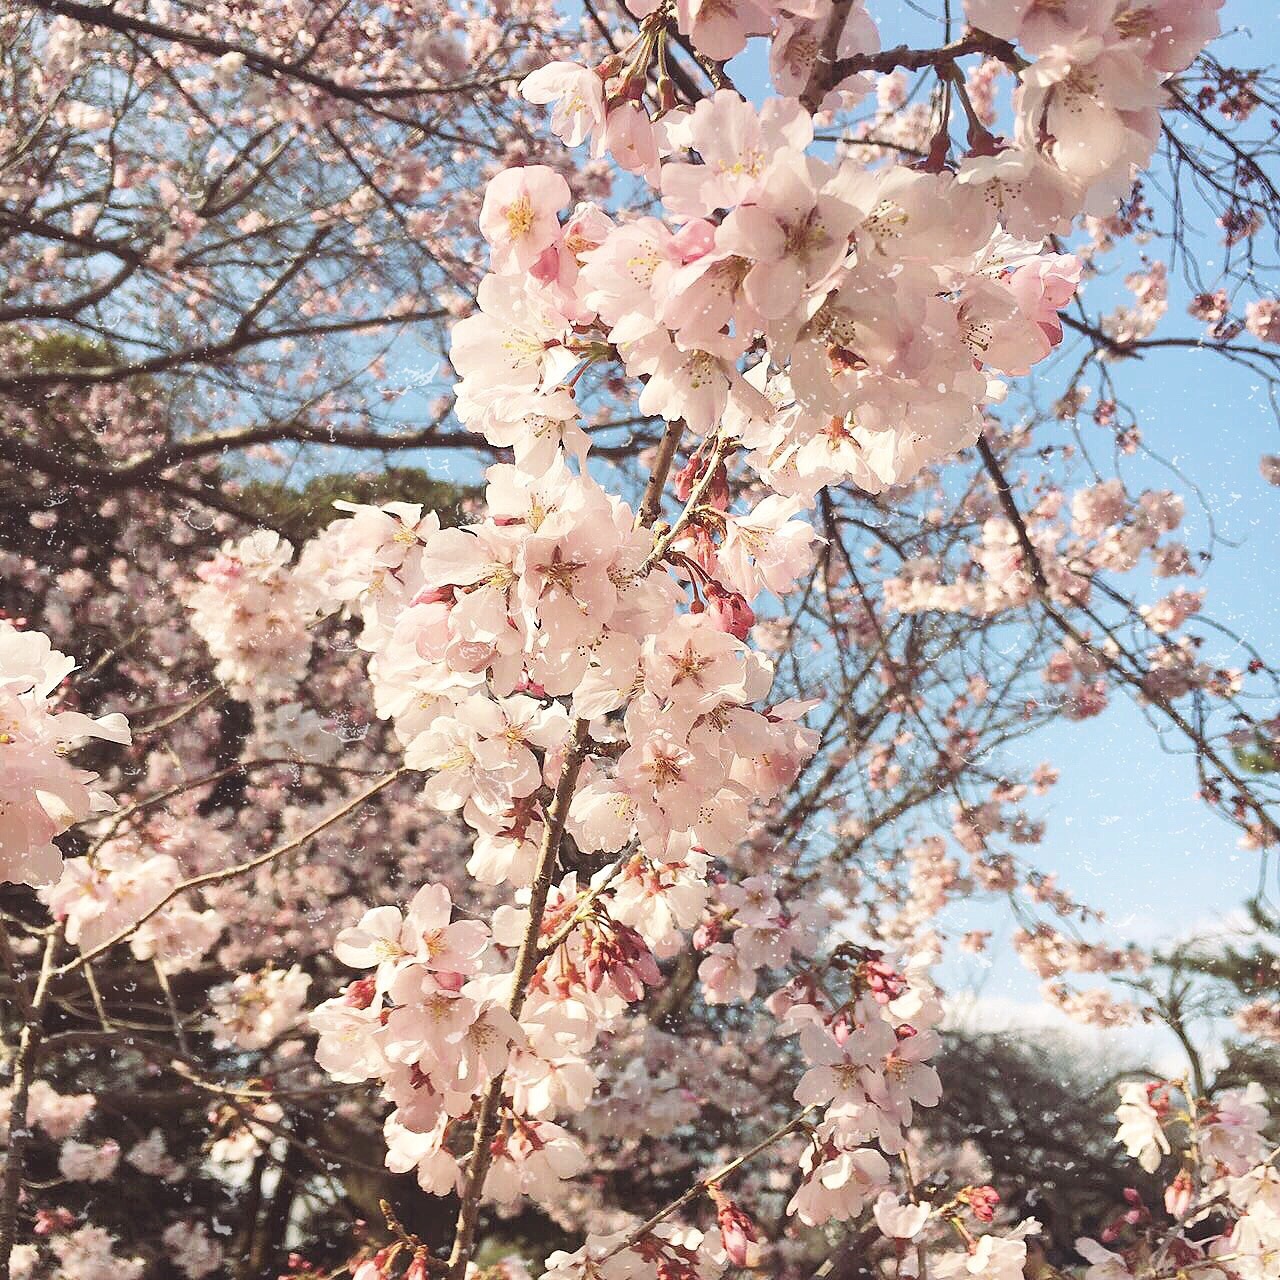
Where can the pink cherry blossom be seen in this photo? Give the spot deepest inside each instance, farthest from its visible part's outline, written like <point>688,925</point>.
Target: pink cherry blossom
<point>519,215</point>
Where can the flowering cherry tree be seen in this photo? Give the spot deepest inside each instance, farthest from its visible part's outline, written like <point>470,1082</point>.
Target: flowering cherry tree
<point>456,864</point>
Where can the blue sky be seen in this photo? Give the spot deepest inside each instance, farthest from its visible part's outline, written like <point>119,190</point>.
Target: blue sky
<point>1126,831</point>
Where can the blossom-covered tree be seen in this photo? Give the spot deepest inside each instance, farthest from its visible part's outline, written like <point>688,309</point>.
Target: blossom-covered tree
<point>549,875</point>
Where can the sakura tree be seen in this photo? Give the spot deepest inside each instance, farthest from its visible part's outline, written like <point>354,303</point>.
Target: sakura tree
<point>550,875</point>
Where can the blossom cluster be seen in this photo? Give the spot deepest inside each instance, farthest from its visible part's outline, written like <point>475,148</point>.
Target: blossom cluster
<point>253,614</point>
<point>868,1064</point>
<point>255,1009</point>
<point>882,302</point>
<point>43,793</point>
<point>431,1023</point>
<point>1086,103</point>
<point>1101,529</point>
<point>1221,1206</point>
<point>121,885</point>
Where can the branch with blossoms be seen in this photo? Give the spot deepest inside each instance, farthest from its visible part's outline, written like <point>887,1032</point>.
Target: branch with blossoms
<point>273,278</point>
<point>1113,656</point>
<point>233,872</point>
<point>240,55</point>
<point>1226,1170</point>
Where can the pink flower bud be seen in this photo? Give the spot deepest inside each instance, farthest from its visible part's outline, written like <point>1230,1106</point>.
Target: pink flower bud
<point>707,934</point>
<point>418,1269</point>
<point>1178,1196</point>
<point>983,1201</point>
<point>741,1236</point>
<point>696,238</point>
<point>360,993</point>
<point>434,595</point>
<point>730,611</point>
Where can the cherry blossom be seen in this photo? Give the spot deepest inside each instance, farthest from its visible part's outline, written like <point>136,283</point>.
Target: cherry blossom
<point>586,892</point>
<point>43,794</point>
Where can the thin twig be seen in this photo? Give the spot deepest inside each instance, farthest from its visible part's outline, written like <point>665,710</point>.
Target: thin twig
<point>240,868</point>
<point>699,1188</point>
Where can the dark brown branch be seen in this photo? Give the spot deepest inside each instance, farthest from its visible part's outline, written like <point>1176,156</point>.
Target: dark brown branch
<point>205,353</point>
<point>97,15</point>
<point>972,42</point>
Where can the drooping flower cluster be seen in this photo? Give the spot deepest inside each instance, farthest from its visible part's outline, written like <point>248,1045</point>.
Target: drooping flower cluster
<point>886,300</point>
<point>560,670</point>
<point>431,1023</point>
<point>87,1253</point>
<point>58,1115</point>
<point>84,1162</point>
<point>1086,104</point>
<point>193,1251</point>
<point>868,1066</point>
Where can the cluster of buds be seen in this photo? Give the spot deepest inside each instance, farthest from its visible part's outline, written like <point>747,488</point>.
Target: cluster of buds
<point>619,956</point>
<point>982,1201</point>
<point>869,972</point>
<point>1137,1215</point>
<point>50,1221</point>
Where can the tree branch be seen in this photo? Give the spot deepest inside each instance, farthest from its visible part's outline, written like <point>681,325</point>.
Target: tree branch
<point>239,869</point>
